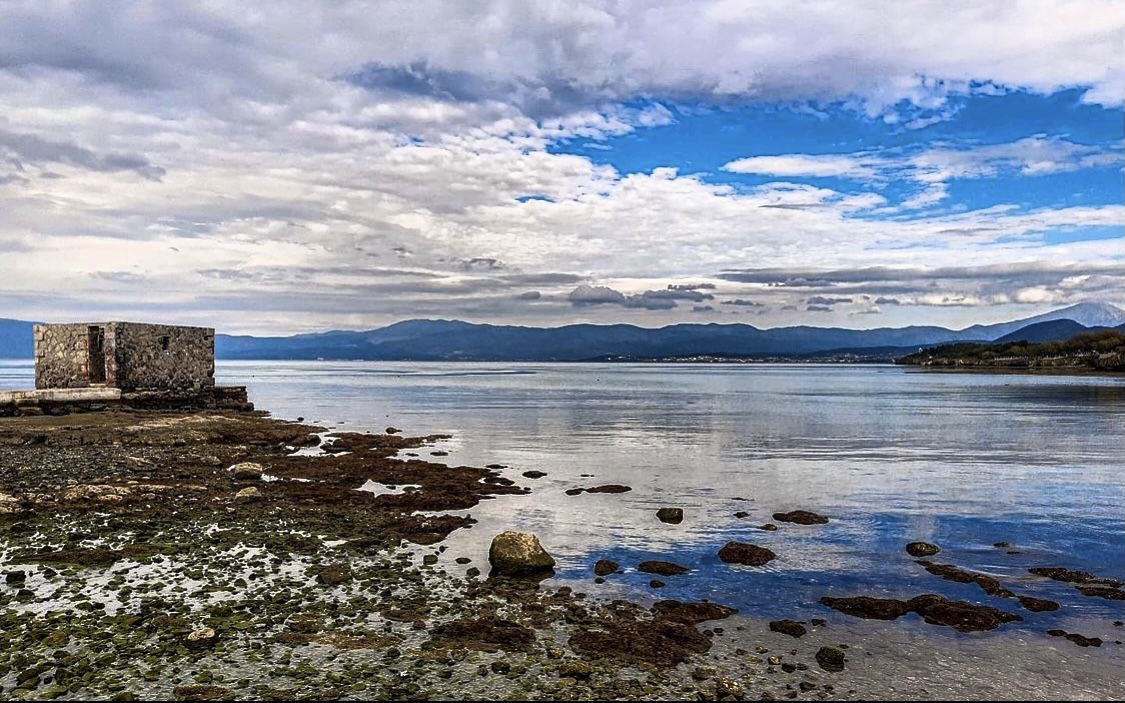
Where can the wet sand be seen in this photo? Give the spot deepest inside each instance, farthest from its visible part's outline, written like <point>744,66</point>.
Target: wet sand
<point>230,556</point>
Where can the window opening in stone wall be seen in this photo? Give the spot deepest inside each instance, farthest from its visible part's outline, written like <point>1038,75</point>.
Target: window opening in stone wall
<point>95,352</point>
<point>164,343</point>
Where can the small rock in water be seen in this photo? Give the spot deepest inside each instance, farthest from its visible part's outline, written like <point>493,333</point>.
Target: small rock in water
<point>609,488</point>
<point>742,514</point>
<point>534,474</point>
<point>392,430</point>
<point>830,659</point>
<point>15,577</point>
<point>788,627</point>
<point>514,553</point>
<point>922,549</point>
<point>801,517</point>
<point>663,568</point>
<point>748,554</point>
<point>605,567</point>
<point>670,515</point>
<point>768,527</point>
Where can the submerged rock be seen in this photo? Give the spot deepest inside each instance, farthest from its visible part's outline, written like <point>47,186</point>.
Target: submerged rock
<point>1080,640</point>
<point>514,553</point>
<point>788,627</point>
<point>830,659</point>
<point>693,612</point>
<point>664,568</point>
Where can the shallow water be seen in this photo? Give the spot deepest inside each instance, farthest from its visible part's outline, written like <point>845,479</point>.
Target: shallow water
<point>890,455</point>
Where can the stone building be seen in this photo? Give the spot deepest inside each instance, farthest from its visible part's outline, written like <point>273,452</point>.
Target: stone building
<point>127,355</point>
<point>91,367</point>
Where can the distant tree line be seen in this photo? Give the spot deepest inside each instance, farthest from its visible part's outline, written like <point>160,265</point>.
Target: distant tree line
<point>1102,351</point>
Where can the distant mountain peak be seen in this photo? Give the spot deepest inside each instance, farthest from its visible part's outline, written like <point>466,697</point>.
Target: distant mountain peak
<point>1090,314</point>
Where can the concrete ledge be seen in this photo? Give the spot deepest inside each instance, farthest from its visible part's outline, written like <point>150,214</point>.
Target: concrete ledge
<point>62,401</point>
<point>61,395</point>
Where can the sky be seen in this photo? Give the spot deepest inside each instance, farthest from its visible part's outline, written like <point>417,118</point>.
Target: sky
<point>281,167</point>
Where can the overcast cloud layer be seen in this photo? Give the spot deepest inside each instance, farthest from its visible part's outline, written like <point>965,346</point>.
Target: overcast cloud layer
<point>291,166</point>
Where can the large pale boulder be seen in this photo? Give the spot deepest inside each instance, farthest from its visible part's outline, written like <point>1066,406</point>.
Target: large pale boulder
<point>513,553</point>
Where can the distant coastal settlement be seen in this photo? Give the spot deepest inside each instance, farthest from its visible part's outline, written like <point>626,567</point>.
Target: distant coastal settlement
<point>1091,351</point>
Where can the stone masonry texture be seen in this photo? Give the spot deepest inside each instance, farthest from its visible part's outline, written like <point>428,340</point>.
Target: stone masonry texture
<point>136,356</point>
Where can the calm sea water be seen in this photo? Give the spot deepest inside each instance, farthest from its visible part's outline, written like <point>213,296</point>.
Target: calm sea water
<point>890,455</point>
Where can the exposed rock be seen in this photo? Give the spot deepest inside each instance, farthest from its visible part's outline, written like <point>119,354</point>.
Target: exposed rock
<point>830,659</point>
<point>788,627</point>
<point>609,488</point>
<point>98,492</point>
<point>334,575</point>
<point>742,514</point>
<point>670,515</point>
<point>247,495</point>
<point>1102,592</point>
<point>1037,605</point>
<point>605,567</point>
<point>574,491</point>
<point>9,504</point>
<point>1059,573</point>
<point>534,474</point>
<point>17,576</point>
<point>1076,638</point>
<point>488,634</point>
<point>656,583</point>
<point>768,527</point>
<point>514,553</point>
<point>743,553</point>
<point>727,688</point>
<point>392,430</point>
<point>576,669</point>
<point>246,471</point>
<point>664,568</point>
<point>660,641</point>
<point>868,607</point>
<point>922,549</point>
<point>203,637</point>
<point>801,517</point>
<point>960,615</point>
<point>693,612</point>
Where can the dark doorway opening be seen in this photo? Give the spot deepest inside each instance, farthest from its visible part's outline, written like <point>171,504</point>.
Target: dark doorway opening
<point>95,345</point>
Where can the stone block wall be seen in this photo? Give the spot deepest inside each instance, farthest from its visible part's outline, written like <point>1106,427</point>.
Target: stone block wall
<point>61,356</point>
<point>136,356</point>
<point>163,357</point>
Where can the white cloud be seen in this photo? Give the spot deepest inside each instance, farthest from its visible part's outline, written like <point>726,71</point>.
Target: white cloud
<point>294,166</point>
<point>935,167</point>
<point>789,165</point>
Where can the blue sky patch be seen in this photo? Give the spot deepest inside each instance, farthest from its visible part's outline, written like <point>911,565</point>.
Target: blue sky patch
<point>1002,133</point>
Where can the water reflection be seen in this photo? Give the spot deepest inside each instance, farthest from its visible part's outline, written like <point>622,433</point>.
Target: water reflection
<point>891,456</point>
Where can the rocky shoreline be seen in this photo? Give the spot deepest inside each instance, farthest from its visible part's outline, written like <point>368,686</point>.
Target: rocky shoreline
<point>230,556</point>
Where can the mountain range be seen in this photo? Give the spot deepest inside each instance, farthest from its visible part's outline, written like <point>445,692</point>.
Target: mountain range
<point>438,340</point>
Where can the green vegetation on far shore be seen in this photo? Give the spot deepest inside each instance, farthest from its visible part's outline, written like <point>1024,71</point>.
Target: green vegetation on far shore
<point>1091,351</point>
